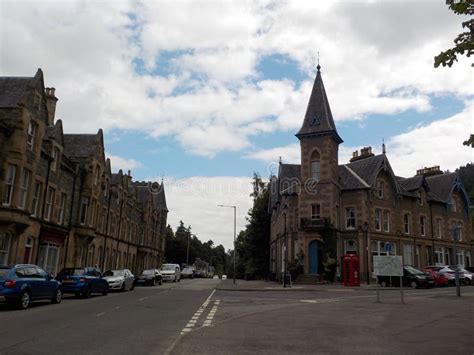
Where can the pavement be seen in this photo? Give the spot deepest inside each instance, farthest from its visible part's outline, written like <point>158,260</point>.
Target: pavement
<point>203,316</point>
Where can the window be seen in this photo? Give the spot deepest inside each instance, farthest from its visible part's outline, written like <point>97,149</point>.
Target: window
<point>48,257</point>
<point>84,208</point>
<point>55,155</point>
<point>406,223</point>
<point>92,216</point>
<point>408,254</point>
<point>378,219</point>
<point>420,198</point>
<point>315,166</point>
<point>459,225</point>
<point>30,140</point>
<point>316,211</point>
<point>453,205</point>
<point>468,259</point>
<point>439,256</point>
<point>350,218</point>
<point>96,175</point>
<point>439,228</point>
<point>350,246</point>
<point>25,180</point>
<point>378,248</point>
<point>36,198</point>
<point>380,188</point>
<point>4,248</point>
<point>49,204</point>
<point>386,221</point>
<point>62,208</point>
<point>9,184</point>
<point>460,258</point>
<point>423,225</point>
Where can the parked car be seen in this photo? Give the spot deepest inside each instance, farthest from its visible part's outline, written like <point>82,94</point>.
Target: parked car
<point>122,279</point>
<point>411,277</point>
<point>21,284</point>
<point>150,277</point>
<point>440,279</point>
<point>187,273</point>
<point>470,268</point>
<point>83,281</point>
<point>465,273</point>
<point>449,273</point>
<point>171,272</point>
<point>224,277</point>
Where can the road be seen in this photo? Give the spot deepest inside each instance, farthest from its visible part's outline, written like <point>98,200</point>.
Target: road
<point>144,321</point>
<point>191,317</point>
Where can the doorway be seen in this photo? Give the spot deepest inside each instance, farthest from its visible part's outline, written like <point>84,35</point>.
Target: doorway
<point>313,257</point>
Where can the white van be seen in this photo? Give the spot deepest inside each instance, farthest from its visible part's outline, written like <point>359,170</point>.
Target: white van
<point>171,272</point>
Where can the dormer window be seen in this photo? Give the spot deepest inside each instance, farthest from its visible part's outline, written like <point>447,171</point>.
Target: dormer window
<point>380,188</point>
<point>315,121</point>
<point>30,140</point>
<point>315,166</point>
<point>420,198</point>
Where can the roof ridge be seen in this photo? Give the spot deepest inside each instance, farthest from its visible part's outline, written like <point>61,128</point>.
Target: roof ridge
<point>362,181</point>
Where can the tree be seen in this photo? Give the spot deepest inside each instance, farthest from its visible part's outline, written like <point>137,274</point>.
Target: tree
<point>470,141</point>
<point>464,42</point>
<point>252,244</point>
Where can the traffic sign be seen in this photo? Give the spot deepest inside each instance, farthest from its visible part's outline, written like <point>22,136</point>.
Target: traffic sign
<point>388,247</point>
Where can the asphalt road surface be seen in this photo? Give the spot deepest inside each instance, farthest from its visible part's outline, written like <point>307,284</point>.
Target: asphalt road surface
<point>144,321</point>
<point>191,317</point>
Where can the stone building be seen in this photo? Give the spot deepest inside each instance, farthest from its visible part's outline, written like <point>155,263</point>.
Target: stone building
<point>363,205</point>
<point>61,204</point>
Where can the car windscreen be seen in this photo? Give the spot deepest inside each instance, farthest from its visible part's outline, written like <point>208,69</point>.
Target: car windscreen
<point>168,267</point>
<point>113,273</point>
<point>148,272</point>
<point>413,271</point>
<point>4,272</point>
<point>72,272</point>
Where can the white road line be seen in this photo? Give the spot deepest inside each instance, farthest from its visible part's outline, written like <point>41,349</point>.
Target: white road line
<point>143,298</point>
<point>117,308</point>
<point>192,323</point>
<point>100,314</point>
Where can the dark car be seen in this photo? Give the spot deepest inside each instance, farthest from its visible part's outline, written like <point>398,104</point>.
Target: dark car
<point>411,277</point>
<point>24,283</point>
<point>150,277</point>
<point>83,281</point>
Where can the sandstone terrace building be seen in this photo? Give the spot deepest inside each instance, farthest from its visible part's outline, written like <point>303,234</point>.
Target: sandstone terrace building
<point>365,203</point>
<point>61,204</point>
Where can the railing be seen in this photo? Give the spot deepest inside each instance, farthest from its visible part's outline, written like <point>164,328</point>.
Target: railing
<point>308,223</point>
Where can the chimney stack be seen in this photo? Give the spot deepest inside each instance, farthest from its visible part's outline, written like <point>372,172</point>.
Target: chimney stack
<point>429,171</point>
<point>365,152</point>
<point>51,100</point>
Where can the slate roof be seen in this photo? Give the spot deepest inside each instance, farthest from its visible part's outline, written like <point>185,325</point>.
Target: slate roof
<point>289,176</point>
<point>413,183</point>
<point>442,185</point>
<point>80,145</point>
<point>348,181</point>
<point>12,90</point>
<point>367,169</point>
<point>318,118</point>
<point>55,132</point>
<point>160,198</point>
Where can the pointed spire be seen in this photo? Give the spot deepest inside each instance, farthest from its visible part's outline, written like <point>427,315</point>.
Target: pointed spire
<point>318,118</point>
<point>383,146</point>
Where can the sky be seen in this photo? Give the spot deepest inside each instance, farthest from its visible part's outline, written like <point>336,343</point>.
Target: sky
<point>202,94</point>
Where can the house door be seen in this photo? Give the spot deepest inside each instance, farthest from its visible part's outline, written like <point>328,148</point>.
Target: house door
<point>313,257</point>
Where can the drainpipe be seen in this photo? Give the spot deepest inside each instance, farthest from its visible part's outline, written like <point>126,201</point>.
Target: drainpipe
<point>106,229</point>
<point>119,230</point>
<point>432,235</point>
<point>70,215</point>
<point>43,208</point>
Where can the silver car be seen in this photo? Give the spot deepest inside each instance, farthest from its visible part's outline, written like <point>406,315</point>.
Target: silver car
<point>171,272</point>
<point>121,280</point>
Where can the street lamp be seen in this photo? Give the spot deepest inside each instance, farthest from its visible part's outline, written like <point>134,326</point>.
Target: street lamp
<point>455,233</point>
<point>235,226</point>
<point>365,228</point>
<point>187,249</point>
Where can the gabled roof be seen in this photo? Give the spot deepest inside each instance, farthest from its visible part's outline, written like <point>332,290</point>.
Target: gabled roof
<point>84,145</point>
<point>368,169</point>
<point>14,88</point>
<point>318,118</point>
<point>289,178</point>
<point>160,198</point>
<point>349,180</point>
<point>55,132</point>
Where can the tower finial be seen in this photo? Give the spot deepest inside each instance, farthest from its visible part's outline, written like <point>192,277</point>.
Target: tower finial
<point>383,146</point>
<point>318,66</point>
<point>279,160</point>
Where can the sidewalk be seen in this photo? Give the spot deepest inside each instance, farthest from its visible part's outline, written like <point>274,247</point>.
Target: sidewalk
<point>259,285</point>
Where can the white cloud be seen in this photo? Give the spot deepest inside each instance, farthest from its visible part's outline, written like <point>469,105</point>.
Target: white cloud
<point>195,201</point>
<point>377,57</point>
<point>125,164</point>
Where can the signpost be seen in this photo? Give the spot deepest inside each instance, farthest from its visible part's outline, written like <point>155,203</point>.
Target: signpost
<point>391,265</point>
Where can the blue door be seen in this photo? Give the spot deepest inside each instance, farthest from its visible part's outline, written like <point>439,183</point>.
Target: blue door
<point>313,257</point>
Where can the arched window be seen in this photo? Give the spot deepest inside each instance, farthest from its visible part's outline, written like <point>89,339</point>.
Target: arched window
<point>315,171</point>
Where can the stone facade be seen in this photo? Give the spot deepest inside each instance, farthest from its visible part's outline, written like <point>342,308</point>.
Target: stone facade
<point>61,204</point>
<point>365,205</point>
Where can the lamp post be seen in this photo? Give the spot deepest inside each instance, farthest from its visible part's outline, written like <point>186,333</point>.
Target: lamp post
<point>455,233</point>
<point>365,228</point>
<point>235,226</point>
<point>187,249</point>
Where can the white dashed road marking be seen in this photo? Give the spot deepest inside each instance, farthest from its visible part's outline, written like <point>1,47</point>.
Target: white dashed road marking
<point>194,319</point>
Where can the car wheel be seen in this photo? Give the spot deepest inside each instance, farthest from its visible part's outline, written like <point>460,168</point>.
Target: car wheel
<point>87,293</point>
<point>174,280</point>
<point>413,284</point>
<point>122,289</point>
<point>25,300</point>
<point>58,296</point>
<point>77,294</point>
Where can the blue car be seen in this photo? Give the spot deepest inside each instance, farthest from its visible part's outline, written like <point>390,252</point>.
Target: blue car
<point>21,284</point>
<point>83,281</point>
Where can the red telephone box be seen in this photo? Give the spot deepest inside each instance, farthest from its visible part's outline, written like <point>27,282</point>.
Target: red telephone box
<point>350,270</point>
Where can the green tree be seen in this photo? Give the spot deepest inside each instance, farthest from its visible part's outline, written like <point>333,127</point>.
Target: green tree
<point>464,42</point>
<point>470,141</point>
